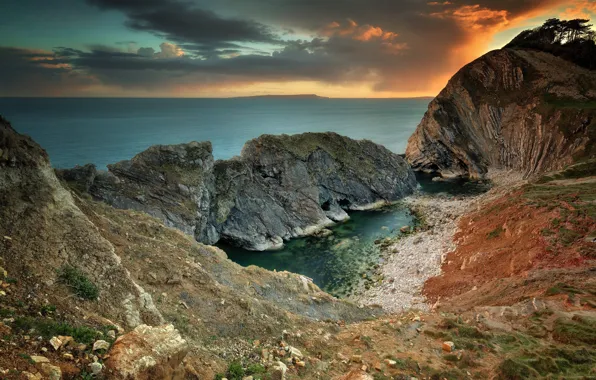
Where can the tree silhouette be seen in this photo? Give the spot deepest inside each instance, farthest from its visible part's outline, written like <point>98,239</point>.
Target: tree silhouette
<point>573,40</point>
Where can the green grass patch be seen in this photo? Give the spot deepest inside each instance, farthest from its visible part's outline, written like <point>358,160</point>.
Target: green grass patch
<point>566,102</point>
<point>511,369</point>
<point>567,236</point>
<point>562,288</point>
<point>575,331</point>
<point>78,282</point>
<point>495,233</point>
<point>580,170</point>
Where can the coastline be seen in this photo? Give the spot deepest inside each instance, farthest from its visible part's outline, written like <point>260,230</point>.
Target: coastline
<point>418,256</point>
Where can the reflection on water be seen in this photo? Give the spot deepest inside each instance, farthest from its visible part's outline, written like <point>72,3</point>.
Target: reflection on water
<point>336,263</point>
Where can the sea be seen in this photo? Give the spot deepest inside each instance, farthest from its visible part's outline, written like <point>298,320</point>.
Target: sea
<point>108,130</point>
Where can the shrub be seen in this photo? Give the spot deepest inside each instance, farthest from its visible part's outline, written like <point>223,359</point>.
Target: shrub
<point>78,282</point>
<point>235,371</point>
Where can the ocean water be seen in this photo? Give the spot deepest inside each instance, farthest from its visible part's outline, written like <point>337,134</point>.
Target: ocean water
<point>108,130</point>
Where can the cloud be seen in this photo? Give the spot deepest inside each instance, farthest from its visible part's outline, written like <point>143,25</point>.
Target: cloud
<point>183,22</point>
<point>584,9</point>
<point>167,50</point>
<point>386,46</point>
<point>27,72</point>
<point>475,17</point>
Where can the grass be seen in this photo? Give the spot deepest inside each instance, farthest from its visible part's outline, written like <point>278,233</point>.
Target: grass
<point>575,331</point>
<point>49,328</point>
<point>562,288</point>
<point>78,282</point>
<point>567,236</point>
<point>579,170</point>
<point>566,102</point>
<point>511,369</point>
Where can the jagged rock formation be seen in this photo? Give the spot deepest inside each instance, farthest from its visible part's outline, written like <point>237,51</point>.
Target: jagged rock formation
<point>280,187</point>
<point>512,108</point>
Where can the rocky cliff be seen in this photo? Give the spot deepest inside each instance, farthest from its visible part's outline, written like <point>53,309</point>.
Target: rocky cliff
<point>517,109</point>
<point>72,268</point>
<point>280,187</point>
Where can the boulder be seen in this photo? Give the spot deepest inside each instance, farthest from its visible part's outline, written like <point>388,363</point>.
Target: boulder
<point>148,353</point>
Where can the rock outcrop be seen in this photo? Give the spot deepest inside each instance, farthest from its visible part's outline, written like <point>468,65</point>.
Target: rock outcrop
<point>512,108</point>
<point>280,187</point>
<point>148,353</point>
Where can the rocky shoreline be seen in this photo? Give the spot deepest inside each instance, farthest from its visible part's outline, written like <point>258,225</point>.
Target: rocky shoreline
<point>279,188</point>
<point>418,256</point>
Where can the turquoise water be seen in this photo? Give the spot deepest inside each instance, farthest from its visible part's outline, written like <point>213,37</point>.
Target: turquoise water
<point>342,262</point>
<point>338,262</point>
<point>104,131</point>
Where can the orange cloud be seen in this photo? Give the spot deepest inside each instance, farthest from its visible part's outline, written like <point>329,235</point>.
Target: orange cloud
<point>365,33</point>
<point>476,17</point>
<point>439,3</point>
<point>585,9</point>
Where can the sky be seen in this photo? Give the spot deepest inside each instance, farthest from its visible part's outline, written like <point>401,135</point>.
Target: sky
<point>224,48</point>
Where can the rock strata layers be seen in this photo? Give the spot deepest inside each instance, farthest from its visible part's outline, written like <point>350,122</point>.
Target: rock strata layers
<point>280,187</point>
<point>510,109</point>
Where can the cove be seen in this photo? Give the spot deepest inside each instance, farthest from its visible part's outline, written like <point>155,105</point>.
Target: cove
<point>340,262</point>
<point>336,263</point>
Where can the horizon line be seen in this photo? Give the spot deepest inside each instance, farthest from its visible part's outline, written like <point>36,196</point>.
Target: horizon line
<point>298,96</point>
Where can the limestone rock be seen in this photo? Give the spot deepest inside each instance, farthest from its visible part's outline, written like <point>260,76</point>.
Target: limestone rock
<point>51,371</point>
<point>357,375</point>
<point>95,368</point>
<point>148,353</point>
<point>101,345</point>
<point>279,371</point>
<point>56,343</point>
<point>39,359</point>
<point>504,111</point>
<point>448,346</point>
<point>280,187</point>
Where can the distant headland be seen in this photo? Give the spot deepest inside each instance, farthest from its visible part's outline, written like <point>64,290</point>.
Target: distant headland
<point>297,96</point>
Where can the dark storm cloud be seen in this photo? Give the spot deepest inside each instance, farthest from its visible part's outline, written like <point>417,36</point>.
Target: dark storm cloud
<point>25,72</point>
<point>183,22</point>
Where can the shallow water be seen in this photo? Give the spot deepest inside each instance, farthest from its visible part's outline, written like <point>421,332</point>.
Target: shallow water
<point>336,263</point>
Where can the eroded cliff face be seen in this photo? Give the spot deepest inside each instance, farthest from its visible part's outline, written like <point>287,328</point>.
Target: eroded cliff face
<point>280,187</point>
<point>515,109</point>
<point>43,231</point>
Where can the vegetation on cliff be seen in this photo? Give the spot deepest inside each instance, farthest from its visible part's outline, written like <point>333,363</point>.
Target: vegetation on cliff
<point>573,40</point>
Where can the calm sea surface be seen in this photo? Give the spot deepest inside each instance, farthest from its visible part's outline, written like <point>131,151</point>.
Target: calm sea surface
<point>104,131</point>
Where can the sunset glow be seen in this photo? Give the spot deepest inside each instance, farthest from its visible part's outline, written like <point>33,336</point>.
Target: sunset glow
<point>171,48</point>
